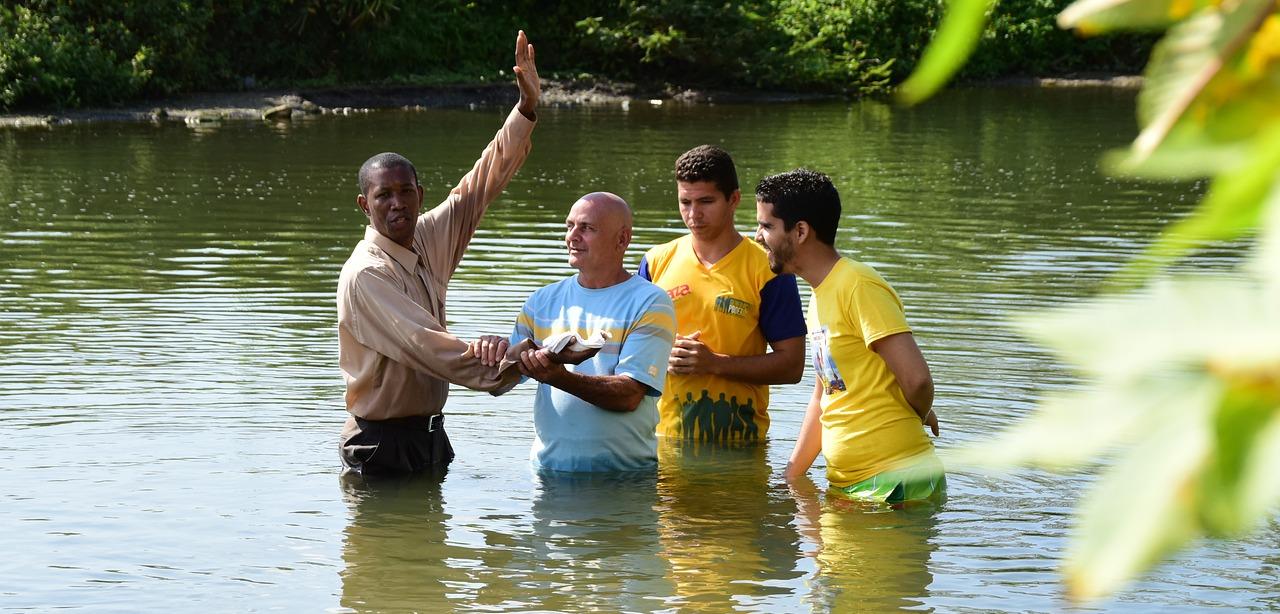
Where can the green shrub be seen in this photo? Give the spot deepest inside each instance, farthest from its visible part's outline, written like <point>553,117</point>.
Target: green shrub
<point>67,53</point>
<point>1023,38</point>
<point>46,59</point>
<point>772,44</point>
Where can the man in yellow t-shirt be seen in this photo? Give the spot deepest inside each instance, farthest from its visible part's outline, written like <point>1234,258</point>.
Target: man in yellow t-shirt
<point>873,388</point>
<point>729,305</point>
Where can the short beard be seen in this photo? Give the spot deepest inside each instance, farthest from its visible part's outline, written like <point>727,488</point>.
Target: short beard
<point>778,258</point>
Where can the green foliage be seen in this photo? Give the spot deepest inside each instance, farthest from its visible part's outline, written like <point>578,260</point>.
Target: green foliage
<point>50,59</point>
<point>1186,374</point>
<point>354,41</point>
<point>825,47</point>
<point>73,52</point>
<point>1022,37</point>
<point>956,39</point>
<point>845,45</point>
<point>778,44</point>
<point>668,37</point>
<point>67,53</point>
<point>895,29</point>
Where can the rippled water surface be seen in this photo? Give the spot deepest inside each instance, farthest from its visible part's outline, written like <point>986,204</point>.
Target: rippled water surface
<point>171,398</point>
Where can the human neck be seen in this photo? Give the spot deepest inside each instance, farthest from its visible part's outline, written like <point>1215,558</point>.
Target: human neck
<point>816,264</point>
<point>595,280</point>
<point>711,249</point>
<point>405,242</point>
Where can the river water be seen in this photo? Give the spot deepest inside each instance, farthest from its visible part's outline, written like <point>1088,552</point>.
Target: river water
<point>171,398</point>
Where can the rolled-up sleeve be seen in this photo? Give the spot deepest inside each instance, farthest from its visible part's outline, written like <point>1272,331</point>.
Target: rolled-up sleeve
<point>384,319</point>
<point>444,232</point>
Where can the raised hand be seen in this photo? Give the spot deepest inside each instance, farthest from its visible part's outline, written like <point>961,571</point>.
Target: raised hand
<point>527,77</point>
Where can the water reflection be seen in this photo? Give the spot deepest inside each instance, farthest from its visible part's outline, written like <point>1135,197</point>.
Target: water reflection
<point>589,542</point>
<point>395,548</point>
<point>161,283</point>
<point>595,543</point>
<point>726,532</point>
<point>870,558</point>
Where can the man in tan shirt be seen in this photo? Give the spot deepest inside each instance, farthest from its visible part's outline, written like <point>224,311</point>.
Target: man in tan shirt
<point>395,354</point>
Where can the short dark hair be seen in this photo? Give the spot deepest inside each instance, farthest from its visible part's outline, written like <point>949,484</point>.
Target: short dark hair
<point>385,159</point>
<point>805,195</point>
<point>708,163</point>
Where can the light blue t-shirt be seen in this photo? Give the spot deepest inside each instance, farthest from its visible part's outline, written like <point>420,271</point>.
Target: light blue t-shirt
<point>572,434</point>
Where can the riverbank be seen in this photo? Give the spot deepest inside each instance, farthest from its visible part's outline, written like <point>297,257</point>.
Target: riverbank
<point>284,104</point>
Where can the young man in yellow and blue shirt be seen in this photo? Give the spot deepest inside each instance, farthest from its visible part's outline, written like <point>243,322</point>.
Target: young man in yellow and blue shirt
<point>873,388</point>
<point>729,307</point>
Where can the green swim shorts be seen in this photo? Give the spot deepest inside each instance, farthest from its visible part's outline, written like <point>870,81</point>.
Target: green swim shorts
<point>920,482</point>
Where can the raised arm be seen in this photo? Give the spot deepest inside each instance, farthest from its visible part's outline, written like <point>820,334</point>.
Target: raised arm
<point>444,232</point>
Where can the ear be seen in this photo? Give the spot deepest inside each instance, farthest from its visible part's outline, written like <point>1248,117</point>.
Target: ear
<point>734,199</point>
<point>363,203</point>
<point>624,239</point>
<point>803,231</point>
<point>419,197</point>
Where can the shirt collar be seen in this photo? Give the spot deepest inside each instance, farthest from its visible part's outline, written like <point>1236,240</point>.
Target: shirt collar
<point>405,256</point>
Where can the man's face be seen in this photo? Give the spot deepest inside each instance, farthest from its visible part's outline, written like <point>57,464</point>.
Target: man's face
<point>392,203</point>
<point>706,211</point>
<point>593,238</point>
<point>777,242</point>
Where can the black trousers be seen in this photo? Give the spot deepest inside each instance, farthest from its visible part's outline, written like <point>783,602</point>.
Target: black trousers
<point>396,446</point>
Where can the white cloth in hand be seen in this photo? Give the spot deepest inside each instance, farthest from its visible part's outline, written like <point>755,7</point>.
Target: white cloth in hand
<point>568,340</point>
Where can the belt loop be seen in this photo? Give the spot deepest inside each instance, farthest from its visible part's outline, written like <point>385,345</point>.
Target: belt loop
<point>435,421</point>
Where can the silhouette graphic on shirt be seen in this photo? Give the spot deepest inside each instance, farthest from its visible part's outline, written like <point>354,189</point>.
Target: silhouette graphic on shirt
<point>719,420</point>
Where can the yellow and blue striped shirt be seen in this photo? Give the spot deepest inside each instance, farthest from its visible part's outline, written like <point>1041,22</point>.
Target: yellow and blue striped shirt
<point>572,434</point>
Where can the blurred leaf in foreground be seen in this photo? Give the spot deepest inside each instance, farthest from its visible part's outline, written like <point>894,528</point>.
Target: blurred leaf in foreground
<point>954,42</point>
<point>1091,17</point>
<point>1185,399</point>
<point>1234,206</point>
<point>1196,62</point>
<point>1182,410</point>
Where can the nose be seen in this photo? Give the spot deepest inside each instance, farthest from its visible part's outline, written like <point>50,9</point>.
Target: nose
<point>759,237</point>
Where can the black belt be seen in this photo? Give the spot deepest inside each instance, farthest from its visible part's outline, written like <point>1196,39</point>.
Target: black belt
<point>431,423</point>
<point>397,445</point>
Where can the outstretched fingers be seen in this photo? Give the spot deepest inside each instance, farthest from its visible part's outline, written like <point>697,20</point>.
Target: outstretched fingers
<point>526,70</point>
<point>522,47</point>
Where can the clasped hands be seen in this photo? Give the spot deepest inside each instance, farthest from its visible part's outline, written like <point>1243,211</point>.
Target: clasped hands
<point>690,356</point>
<point>536,362</point>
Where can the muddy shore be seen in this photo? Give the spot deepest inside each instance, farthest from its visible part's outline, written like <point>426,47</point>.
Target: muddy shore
<point>282,105</point>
